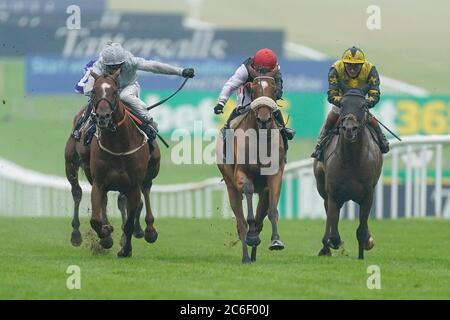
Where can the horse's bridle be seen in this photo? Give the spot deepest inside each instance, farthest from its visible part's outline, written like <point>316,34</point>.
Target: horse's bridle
<point>112,104</point>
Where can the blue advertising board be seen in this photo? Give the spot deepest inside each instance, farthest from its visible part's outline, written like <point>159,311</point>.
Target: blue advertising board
<point>54,74</point>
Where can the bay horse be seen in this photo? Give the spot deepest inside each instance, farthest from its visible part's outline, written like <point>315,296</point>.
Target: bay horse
<point>350,171</point>
<point>118,159</point>
<point>245,178</point>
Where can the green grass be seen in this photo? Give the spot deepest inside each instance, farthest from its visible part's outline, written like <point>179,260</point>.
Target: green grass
<point>200,259</point>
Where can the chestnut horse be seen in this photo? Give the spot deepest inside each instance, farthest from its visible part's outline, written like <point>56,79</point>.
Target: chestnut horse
<point>118,159</point>
<point>245,177</point>
<point>350,171</point>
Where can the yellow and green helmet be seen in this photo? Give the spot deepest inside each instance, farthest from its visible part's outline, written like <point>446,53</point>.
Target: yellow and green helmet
<point>353,55</point>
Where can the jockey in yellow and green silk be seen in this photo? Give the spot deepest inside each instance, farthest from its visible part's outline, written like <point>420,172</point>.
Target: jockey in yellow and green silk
<point>352,71</point>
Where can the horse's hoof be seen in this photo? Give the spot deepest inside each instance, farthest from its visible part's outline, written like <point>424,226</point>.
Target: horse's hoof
<point>106,230</point>
<point>138,234</point>
<point>253,240</point>
<point>76,239</point>
<point>276,245</point>
<point>324,252</point>
<point>106,242</point>
<point>370,243</point>
<point>334,243</point>
<point>124,253</point>
<point>151,236</point>
<point>246,260</point>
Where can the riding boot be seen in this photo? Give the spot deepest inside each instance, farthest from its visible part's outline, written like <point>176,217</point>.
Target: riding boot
<point>76,133</point>
<point>383,142</point>
<point>288,133</point>
<point>150,128</point>
<point>90,131</point>
<point>324,135</point>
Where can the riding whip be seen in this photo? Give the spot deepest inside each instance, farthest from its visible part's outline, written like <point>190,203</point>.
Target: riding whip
<point>368,112</point>
<point>162,101</point>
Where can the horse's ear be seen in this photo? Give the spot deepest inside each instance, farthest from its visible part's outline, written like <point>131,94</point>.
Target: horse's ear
<point>273,72</point>
<point>116,73</point>
<point>94,75</point>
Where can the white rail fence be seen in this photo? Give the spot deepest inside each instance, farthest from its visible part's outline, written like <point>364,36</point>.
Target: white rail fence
<point>415,163</point>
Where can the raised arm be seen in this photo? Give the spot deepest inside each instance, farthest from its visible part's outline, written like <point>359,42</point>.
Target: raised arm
<point>156,67</point>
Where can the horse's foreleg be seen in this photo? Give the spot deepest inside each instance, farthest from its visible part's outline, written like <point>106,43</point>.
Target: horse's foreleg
<point>365,240</point>
<point>97,219</point>
<point>241,225</point>
<point>72,167</point>
<point>261,213</point>
<point>325,251</point>
<point>245,186</point>
<point>274,186</point>
<point>133,199</point>
<point>104,205</point>
<point>122,205</point>
<point>334,239</point>
<point>150,234</point>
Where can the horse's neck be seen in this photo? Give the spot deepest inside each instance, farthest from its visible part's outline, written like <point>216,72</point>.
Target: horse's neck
<point>352,153</point>
<point>124,133</point>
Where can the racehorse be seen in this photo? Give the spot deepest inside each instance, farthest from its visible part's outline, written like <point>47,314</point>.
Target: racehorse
<point>118,159</point>
<point>350,171</point>
<point>245,178</point>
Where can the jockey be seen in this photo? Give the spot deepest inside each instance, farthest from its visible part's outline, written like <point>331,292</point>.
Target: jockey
<point>113,57</point>
<point>264,60</point>
<point>350,72</point>
<point>85,82</point>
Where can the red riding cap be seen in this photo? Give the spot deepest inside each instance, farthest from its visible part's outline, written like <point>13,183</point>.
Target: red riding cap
<point>265,58</point>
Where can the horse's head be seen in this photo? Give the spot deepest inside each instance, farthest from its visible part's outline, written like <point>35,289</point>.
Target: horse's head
<point>352,114</point>
<point>263,90</point>
<point>105,98</point>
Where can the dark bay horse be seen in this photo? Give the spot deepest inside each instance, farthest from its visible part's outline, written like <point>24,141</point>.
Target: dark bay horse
<point>350,171</point>
<point>118,159</point>
<point>247,177</point>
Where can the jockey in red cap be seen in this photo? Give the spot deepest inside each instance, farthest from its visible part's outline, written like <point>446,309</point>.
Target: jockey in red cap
<point>264,60</point>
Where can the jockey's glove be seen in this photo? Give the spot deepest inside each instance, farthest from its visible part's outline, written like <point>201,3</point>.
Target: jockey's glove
<point>188,73</point>
<point>218,109</point>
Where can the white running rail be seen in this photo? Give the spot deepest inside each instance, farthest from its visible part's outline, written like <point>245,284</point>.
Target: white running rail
<point>414,188</point>
<point>25,192</point>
